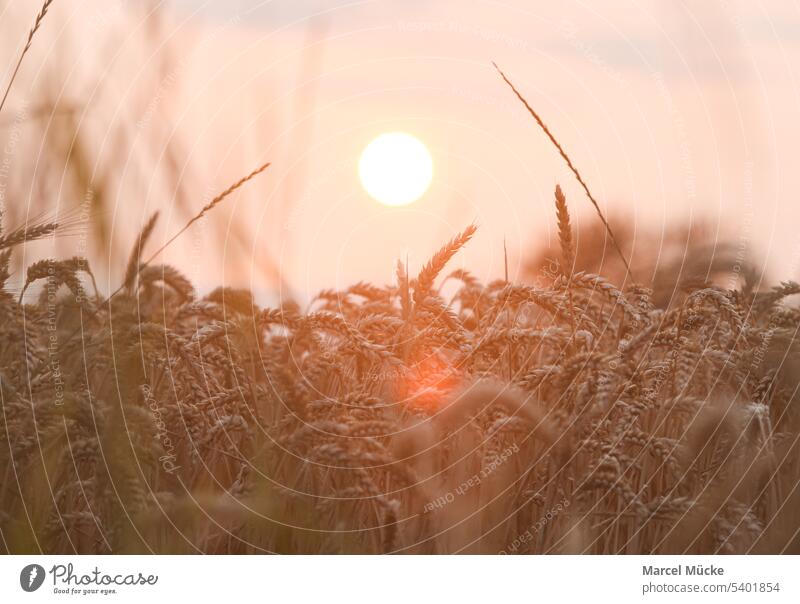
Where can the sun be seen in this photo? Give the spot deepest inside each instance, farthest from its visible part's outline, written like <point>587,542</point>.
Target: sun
<point>395,169</point>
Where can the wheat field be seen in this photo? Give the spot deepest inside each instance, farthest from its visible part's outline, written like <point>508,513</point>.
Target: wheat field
<point>436,414</point>
<point>510,418</point>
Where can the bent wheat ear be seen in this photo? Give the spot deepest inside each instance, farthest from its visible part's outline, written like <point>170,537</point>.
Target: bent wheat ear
<point>58,272</point>
<point>27,233</point>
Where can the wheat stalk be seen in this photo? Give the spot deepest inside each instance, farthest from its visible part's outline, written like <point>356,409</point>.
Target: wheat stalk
<point>505,261</point>
<point>210,206</point>
<point>574,170</point>
<point>36,25</point>
<point>403,288</point>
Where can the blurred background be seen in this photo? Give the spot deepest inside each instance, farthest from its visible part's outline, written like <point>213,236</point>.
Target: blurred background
<point>682,119</point>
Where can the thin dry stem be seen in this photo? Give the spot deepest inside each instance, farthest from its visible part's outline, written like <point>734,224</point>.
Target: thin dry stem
<point>574,170</point>
<point>36,25</point>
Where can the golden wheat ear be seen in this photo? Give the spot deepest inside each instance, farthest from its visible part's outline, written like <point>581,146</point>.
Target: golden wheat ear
<point>439,260</point>
<point>134,263</point>
<point>564,232</point>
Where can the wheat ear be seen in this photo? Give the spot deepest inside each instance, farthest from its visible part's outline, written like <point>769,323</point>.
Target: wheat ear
<point>134,263</point>
<point>27,233</point>
<point>435,265</point>
<point>564,232</point>
<point>567,249</point>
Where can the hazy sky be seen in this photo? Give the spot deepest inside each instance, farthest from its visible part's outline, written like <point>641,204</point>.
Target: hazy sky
<point>674,112</point>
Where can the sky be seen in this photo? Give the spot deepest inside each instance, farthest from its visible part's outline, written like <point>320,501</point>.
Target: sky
<point>673,112</point>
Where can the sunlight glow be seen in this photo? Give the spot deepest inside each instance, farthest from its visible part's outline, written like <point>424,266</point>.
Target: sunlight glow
<point>395,169</point>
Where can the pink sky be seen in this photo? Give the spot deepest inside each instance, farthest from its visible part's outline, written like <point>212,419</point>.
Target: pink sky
<point>671,113</point>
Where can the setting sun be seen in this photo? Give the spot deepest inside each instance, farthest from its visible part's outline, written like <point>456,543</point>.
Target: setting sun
<point>395,169</point>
